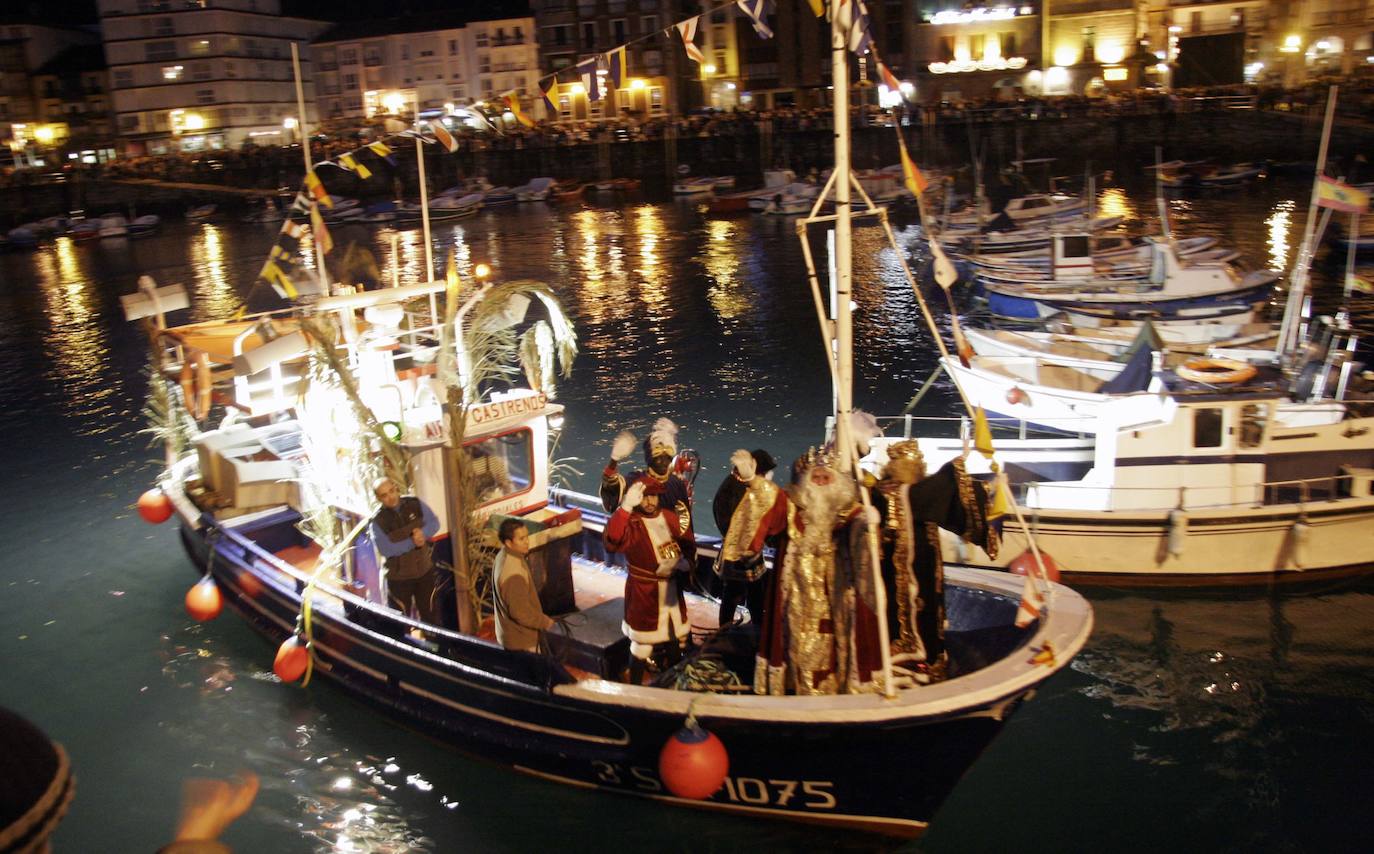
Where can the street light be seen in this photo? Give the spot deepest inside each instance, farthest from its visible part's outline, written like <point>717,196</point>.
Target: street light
<point>289,125</point>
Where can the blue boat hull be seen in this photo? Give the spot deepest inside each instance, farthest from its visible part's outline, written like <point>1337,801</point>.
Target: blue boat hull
<point>887,777</point>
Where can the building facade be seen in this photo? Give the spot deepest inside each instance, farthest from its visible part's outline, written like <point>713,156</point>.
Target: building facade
<point>73,101</point>
<point>194,74</point>
<point>25,47</point>
<point>430,63</point>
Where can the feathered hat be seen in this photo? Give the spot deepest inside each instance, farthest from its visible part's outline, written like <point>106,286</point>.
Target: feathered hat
<point>662,440</point>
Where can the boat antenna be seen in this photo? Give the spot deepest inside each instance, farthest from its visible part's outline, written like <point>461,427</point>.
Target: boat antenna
<point>305,152</point>
<point>1297,281</point>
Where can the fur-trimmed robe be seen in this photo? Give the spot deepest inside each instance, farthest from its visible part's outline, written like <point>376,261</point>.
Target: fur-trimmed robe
<point>655,609</point>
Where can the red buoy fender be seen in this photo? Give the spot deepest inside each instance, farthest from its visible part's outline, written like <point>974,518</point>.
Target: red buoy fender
<point>693,763</point>
<point>292,658</point>
<point>154,506</point>
<point>1024,564</point>
<point>203,600</point>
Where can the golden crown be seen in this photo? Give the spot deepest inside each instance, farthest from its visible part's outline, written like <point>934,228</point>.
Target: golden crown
<point>907,449</point>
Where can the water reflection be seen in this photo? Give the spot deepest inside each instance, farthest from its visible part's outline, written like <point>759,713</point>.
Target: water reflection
<point>1113,201</point>
<point>1280,221</point>
<point>213,294</point>
<point>76,345</point>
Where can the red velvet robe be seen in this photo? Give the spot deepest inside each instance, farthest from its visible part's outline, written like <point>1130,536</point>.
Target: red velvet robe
<point>655,609</point>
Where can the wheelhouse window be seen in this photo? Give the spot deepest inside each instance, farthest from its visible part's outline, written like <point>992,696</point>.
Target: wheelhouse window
<point>1207,428</point>
<point>1253,418</point>
<point>501,465</point>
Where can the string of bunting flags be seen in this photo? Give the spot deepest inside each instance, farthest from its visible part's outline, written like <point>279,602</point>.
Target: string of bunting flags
<point>276,272</point>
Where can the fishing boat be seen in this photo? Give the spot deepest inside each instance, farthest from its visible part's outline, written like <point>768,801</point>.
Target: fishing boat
<point>1173,285</point>
<point>145,226</point>
<point>535,190</point>
<point>323,388</point>
<point>694,186</point>
<point>617,185</point>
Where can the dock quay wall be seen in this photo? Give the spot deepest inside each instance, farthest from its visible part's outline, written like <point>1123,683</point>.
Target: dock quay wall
<point>1108,141</point>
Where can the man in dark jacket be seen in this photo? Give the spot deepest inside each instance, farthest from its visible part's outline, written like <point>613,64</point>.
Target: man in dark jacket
<point>401,529</point>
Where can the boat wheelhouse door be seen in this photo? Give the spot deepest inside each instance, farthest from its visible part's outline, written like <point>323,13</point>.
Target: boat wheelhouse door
<point>1073,256</point>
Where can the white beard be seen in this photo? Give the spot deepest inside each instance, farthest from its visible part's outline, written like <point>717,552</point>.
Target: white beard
<point>821,506</point>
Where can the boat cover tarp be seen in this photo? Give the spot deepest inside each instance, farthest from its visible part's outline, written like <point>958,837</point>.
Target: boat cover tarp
<point>1135,376</point>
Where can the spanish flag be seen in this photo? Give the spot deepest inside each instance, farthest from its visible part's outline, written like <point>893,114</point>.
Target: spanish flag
<point>915,181</point>
<point>1340,197</point>
<point>443,137</point>
<point>312,183</point>
<point>351,163</point>
<point>513,104</point>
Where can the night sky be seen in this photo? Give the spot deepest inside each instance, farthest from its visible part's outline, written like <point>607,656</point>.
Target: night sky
<point>70,12</point>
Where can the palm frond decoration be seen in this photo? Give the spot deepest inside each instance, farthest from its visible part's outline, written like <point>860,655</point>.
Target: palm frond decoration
<point>169,422</point>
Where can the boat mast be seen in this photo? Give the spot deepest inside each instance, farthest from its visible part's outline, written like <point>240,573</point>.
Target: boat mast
<point>1297,283</point>
<point>424,193</point>
<point>844,271</point>
<point>305,152</point>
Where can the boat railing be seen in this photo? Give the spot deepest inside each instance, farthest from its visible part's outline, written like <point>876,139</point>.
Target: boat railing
<point>909,426</point>
<point>1042,495</point>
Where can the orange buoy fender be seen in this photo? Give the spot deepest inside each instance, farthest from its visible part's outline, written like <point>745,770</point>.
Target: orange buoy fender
<point>203,601</point>
<point>1024,564</point>
<point>1015,395</point>
<point>292,657</point>
<point>693,763</point>
<point>1215,371</point>
<point>154,506</point>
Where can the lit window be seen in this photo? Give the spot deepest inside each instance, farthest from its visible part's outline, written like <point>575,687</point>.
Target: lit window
<point>171,72</point>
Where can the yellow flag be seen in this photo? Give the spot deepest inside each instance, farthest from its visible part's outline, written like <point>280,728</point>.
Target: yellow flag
<point>1001,506</point>
<point>312,183</point>
<point>817,6</point>
<point>513,104</point>
<point>351,164</point>
<point>982,433</point>
<point>278,279</point>
<point>381,149</point>
<point>915,181</point>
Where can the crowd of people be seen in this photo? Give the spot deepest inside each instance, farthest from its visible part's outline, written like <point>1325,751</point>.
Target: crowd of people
<point>271,167</point>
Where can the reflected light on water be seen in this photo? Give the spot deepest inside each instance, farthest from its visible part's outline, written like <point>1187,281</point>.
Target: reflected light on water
<point>1114,202</point>
<point>722,264</point>
<point>1279,223</point>
<point>213,296</point>
<point>76,342</point>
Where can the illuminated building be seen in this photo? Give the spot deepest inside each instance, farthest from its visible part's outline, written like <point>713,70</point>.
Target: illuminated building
<point>436,60</point>
<point>196,74</point>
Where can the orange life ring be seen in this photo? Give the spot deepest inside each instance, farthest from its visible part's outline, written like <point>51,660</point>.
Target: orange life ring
<point>1214,371</point>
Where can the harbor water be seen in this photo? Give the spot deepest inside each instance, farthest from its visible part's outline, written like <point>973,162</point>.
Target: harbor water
<point>1229,720</point>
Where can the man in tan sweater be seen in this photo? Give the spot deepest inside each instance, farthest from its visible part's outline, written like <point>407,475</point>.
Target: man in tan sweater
<point>519,617</point>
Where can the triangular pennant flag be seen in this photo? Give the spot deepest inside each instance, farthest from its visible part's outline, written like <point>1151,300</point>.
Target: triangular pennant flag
<point>817,6</point>
<point>688,30</point>
<point>1001,504</point>
<point>312,183</point>
<point>911,176</point>
<point>587,71</point>
<point>1044,655</point>
<point>276,272</point>
<point>982,433</point>
<point>1031,604</point>
<point>443,136</point>
<point>758,10</point>
<point>547,94</point>
<point>513,104</point>
<point>889,79</point>
<point>322,235</point>
<point>617,68</point>
<point>351,163</point>
<point>382,150</point>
